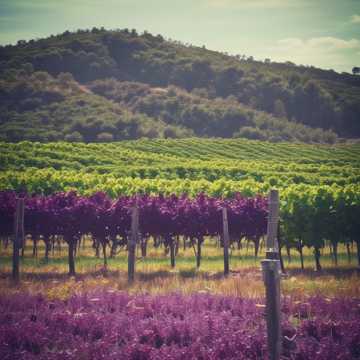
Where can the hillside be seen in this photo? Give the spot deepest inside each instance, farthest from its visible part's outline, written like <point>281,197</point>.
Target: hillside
<point>99,85</point>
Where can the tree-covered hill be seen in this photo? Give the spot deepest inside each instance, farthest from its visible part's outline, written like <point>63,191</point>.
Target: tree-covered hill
<point>99,85</point>
<point>37,106</point>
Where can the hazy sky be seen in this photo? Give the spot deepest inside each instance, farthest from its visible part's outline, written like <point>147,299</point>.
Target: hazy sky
<point>324,33</point>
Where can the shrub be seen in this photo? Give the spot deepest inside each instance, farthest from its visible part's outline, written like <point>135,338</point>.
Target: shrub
<point>74,137</point>
<point>105,137</point>
<point>252,133</point>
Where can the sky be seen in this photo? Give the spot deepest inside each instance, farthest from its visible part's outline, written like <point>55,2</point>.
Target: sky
<point>322,33</point>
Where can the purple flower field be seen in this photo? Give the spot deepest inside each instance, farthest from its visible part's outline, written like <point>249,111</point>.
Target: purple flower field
<point>114,325</point>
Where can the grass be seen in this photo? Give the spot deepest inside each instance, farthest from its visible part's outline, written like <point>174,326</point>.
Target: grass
<point>157,260</point>
<point>154,274</point>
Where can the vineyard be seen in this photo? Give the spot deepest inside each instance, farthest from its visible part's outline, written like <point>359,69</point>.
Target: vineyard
<point>181,186</point>
<point>83,197</point>
<point>166,219</point>
<point>217,167</point>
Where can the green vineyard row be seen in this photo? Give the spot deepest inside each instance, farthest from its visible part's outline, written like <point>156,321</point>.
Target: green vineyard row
<point>279,165</point>
<point>47,181</point>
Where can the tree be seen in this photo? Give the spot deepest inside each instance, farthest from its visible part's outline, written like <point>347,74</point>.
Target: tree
<point>226,82</point>
<point>252,133</point>
<point>105,137</point>
<point>356,70</point>
<point>279,109</point>
<point>74,137</point>
<point>169,132</point>
<point>65,79</point>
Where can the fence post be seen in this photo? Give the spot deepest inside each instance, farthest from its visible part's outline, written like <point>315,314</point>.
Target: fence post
<point>172,251</point>
<point>272,246</point>
<point>225,240</point>
<point>132,242</point>
<point>18,238</point>
<point>271,276</point>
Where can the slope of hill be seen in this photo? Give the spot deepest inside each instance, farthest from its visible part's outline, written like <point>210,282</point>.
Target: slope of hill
<point>36,106</point>
<point>176,90</point>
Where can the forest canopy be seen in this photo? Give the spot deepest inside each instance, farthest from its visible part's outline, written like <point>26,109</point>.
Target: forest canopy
<point>100,85</point>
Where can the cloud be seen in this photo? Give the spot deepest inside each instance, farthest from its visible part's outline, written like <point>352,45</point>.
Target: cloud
<point>265,4</point>
<point>355,19</point>
<point>325,52</point>
<point>323,44</point>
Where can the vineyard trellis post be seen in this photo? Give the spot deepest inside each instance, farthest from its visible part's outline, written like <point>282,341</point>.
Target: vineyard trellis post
<point>18,238</point>
<point>225,240</point>
<point>172,251</point>
<point>272,244</point>
<point>132,242</point>
<point>71,255</point>
<point>271,275</point>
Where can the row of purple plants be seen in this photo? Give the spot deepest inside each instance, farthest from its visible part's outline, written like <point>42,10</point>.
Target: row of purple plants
<point>115,325</point>
<point>71,216</point>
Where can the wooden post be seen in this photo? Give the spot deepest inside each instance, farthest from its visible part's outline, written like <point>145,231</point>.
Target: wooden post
<point>172,251</point>
<point>225,240</point>
<point>18,238</point>
<point>198,252</point>
<point>47,248</point>
<point>104,255</point>
<point>71,248</point>
<point>272,246</point>
<point>271,275</point>
<point>132,243</point>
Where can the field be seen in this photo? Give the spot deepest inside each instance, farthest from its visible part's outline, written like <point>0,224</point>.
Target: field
<point>183,310</point>
<point>174,313</point>
<point>155,276</point>
<point>115,325</point>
